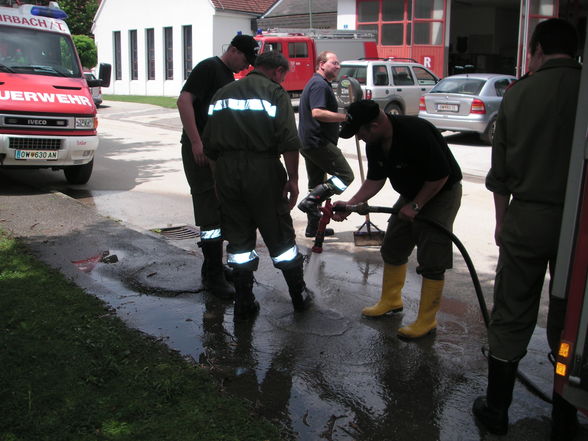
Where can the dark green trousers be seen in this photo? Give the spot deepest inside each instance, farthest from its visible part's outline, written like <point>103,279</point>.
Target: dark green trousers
<point>528,248</point>
<point>325,159</point>
<point>434,248</point>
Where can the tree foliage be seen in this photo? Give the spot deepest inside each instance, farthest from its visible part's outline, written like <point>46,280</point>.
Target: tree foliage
<point>80,15</point>
<point>87,50</point>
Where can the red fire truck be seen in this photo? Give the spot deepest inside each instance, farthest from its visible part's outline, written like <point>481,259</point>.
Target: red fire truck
<point>301,48</point>
<point>571,274</point>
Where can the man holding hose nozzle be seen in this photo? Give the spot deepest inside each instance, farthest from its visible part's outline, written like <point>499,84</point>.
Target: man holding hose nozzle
<point>528,176</point>
<point>413,155</point>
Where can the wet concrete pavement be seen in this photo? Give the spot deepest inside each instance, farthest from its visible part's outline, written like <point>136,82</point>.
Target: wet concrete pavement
<point>324,374</point>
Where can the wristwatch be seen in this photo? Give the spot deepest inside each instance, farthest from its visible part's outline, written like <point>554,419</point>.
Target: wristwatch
<point>416,207</point>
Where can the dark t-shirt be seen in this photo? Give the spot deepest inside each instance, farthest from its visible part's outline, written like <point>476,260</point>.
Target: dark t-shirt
<point>205,79</point>
<point>418,153</point>
<point>317,94</point>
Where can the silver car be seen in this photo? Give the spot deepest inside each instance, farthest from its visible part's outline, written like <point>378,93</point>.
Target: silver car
<point>96,91</point>
<point>396,84</point>
<point>466,103</point>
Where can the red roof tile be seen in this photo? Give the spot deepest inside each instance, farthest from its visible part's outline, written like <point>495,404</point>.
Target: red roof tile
<point>252,6</point>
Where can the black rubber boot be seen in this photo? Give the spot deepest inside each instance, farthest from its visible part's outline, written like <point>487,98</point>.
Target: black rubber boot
<point>213,270</point>
<point>319,194</point>
<point>564,419</point>
<point>245,304</point>
<point>492,410</point>
<point>301,296</point>
<point>312,227</point>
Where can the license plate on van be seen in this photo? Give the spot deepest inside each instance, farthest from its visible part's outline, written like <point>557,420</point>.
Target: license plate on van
<point>35,154</point>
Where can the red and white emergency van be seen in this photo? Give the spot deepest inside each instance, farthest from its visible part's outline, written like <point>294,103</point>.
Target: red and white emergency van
<point>47,114</point>
<point>301,47</point>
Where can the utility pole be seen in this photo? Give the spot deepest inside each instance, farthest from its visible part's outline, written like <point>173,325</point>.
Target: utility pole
<point>310,14</point>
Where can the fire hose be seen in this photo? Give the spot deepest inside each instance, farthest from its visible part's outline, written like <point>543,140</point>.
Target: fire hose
<point>327,213</point>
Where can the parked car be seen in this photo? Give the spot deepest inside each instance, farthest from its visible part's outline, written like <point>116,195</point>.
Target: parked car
<point>96,91</point>
<point>396,84</point>
<point>466,103</point>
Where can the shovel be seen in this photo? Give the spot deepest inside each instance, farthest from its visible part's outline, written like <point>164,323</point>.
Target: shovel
<point>367,234</point>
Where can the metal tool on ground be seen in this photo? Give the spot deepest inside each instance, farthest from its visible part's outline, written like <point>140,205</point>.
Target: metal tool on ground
<point>367,234</point>
<point>364,208</point>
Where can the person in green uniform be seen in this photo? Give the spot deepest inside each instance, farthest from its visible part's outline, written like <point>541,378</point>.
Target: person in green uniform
<point>250,126</point>
<point>528,176</point>
<point>206,78</point>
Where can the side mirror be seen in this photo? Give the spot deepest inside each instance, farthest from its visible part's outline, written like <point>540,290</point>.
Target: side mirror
<point>104,73</point>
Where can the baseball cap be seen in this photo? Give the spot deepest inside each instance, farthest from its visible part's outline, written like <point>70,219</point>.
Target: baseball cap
<point>359,113</point>
<point>246,44</point>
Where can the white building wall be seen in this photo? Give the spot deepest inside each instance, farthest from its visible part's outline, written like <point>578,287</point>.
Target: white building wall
<point>211,33</point>
<point>346,10</point>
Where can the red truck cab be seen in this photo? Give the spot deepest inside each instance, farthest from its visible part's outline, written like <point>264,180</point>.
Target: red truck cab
<point>301,48</point>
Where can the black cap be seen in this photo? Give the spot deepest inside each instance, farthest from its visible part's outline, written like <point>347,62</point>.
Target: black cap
<point>359,113</point>
<point>248,45</point>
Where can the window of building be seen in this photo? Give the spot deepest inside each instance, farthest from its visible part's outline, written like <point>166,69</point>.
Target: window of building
<point>150,55</point>
<point>187,49</point>
<point>117,56</point>
<point>133,55</point>
<point>168,50</point>
<point>401,25</point>
<point>298,49</point>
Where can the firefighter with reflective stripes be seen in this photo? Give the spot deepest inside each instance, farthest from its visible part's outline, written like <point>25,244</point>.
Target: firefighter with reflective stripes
<point>250,126</point>
<point>205,79</point>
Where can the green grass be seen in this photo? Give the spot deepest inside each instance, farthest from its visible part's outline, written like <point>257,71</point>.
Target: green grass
<point>71,370</point>
<point>163,101</point>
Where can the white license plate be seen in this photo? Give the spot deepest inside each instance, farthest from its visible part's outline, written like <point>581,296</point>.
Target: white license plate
<point>448,107</point>
<point>35,154</point>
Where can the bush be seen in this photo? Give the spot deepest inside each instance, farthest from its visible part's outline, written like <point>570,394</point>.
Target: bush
<point>87,50</point>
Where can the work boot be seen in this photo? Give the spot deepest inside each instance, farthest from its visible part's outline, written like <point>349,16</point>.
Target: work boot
<point>301,296</point>
<point>492,410</point>
<point>313,224</point>
<point>426,321</point>
<point>213,270</point>
<point>245,304</point>
<point>564,419</point>
<point>391,298</point>
<point>311,203</point>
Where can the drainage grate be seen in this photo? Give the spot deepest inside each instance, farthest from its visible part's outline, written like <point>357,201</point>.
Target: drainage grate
<point>178,233</point>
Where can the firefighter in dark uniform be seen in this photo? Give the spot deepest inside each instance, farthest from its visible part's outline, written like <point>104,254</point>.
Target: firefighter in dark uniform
<point>205,79</point>
<point>251,124</point>
<point>413,155</point>
<point>528,176</point>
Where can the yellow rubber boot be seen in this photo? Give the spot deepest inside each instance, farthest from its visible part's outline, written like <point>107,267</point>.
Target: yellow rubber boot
<point>391,300</point>
<point>426,321</point>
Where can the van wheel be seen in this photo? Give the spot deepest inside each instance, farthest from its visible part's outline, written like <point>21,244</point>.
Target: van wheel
<point>394,109</point>
<point>79,174</point>
<point>488,135</point>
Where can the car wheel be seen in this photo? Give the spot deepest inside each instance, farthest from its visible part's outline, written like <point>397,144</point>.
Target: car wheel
<point>79,174</point>
<point>394,109</point>
<point>488,135</point>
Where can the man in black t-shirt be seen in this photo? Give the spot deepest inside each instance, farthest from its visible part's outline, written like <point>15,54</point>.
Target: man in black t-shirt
<point>318,129</point>
<point>413,155</point>
<point>205,79</point>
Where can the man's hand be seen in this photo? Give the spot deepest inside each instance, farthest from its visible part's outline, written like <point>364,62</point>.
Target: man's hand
<point>407,213</point>
<point>340,216</point>
<point>291,193</point>
<point>198,152</point>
